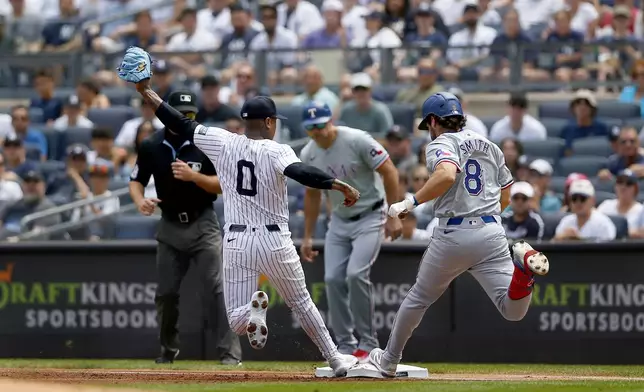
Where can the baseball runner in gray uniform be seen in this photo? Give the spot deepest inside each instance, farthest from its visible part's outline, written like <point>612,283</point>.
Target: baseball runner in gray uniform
<point>355,234</point>
<point>471,185</point>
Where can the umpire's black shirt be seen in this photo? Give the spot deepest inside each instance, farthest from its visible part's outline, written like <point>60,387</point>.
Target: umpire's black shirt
<point>155,157</point>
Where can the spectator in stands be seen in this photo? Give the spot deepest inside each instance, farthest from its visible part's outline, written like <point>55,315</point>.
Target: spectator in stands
<point>635,15</point>
<point>489,15</point>
<point>145,129</point>
<point>512,152</point>
<point>583,106</point>
<point>243,87</point>
<point>613,138</point>
<point>424,85</point>
<point>274,36</point>
<point>215,18</point>
<point>64,33</point>
<point>466,63</point>
<point>535,15</point>
<point>299,16</point>
<point>432,42</point>
<point>626,204</point>
<point>403,185</point>
<point>565,207</point>
<point>568,60</point>
<point>412,233</point>
<point>15,156</point>
<point>332,35</point>
<point>544,200</point>
<point>314,89</point>
<point>418,176</point>
<point>51,106</point>
<point>210,109</point>
<point>235,45</point>
<point>102,145</point>
<point>235,125</point>
<point>635,92</point>
<point>99,178</point>
<point>522,222</point>
<point>451,11</point>
<point>33,138</point>
<point>34,200</point>
<point>585,17</point>
<point>585,222</point>
<point>353,19</point>
<point>363,112</point>
<point>10,190</point>
<point>422,154</point>
<point>89,93</point>
<point>71,184</point>
<point>472,122</point>
<point>24,27</point>
<point>614,60</point>
<point>518,124</point>
<point>512,34</point>
<point>141,33</point>
<point>127,135</point>
<point>628,156</point>
<point>163,79</point>
<point>72,116</point>
<point>399,16</point>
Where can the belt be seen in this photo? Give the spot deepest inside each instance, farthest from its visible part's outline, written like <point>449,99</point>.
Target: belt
<point>185,217</point>
<point>459,221</point>
<point>242,228</point>
<point>374,207</point>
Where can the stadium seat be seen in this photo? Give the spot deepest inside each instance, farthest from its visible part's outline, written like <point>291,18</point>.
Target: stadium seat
<point>36,116</point>
<point>601,196</point>
<point>136,227</point>
<point>489,121</point>
<point>611,122</point>
<point>558,109</point>
<point>403,114</point>
<point>621,226</point>
<point>76,135</point>
<point>589,166</point>
<point>119,96</point>
<point>550,222</point>
<point>592,146</point>
<point>33,152</point>
<point>112,118</point>
<point>387,93</point>
<point>616,109</point>
<point>550,148</point>
<point>55,143</point>
<point>558,184</point>
<point>603,185</point>
<point>50,168</point>
<point>637,123</point>
<point>554,126</point>
<point>293,120</point>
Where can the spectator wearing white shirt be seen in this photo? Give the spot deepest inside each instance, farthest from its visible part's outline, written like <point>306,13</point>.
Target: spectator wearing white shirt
<point>127,134</point>
<point>379,36</point>
<point>473,123</point>
<point>474,41</point>
<point>412,233</point>
<point>585,17</point>
<point>586,222</point>
<point>535,14</point>
<point>215,19</point>
<point>274,36</point>
<point>625,205</point>
<point>299,16</point>
<point>10,190</point>
<point>518,124</point>
<point>72,116</point>
<point>353,19</point>
<point>451,10</point>
<point>489,16</point>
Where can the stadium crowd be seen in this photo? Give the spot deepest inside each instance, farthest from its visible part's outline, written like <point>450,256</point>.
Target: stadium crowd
<point>577,164</point>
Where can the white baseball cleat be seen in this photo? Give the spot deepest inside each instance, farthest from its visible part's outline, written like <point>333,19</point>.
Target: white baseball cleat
<point>341,364</point>
<point>529,260</point>
<point>385,368</point>
<point>256,329</point>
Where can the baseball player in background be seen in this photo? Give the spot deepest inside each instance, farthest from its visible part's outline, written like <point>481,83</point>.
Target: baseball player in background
<point>471,185</point>
<point>253,171</point>
<point>355,234</point>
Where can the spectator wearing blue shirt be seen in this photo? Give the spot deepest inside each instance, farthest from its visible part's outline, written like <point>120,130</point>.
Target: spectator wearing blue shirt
<point>568,60</point>
<point>63,34</point>
<point>544,200</point>
<point>635,92</point>
<point>627,157</point>
<point>235,45</point>
<point>332,35</point>
<point>512,34</point>
<point>51,106</point>
<point>15,156</point>
<point>32,138</point>
<point>427,41</point>
<point>583,106</point>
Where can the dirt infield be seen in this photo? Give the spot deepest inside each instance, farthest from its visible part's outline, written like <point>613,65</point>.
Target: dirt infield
<point>99,376</point>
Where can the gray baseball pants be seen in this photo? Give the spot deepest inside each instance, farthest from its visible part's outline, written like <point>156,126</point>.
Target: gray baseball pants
<point>474,246</point>
<point>350,249</point>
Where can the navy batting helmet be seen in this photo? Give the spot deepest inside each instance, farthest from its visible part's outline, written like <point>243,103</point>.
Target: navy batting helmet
<point>440,105</point>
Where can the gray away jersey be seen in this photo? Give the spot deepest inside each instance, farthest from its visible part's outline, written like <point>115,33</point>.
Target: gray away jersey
<point>482,174</point>
<point>353,158</point>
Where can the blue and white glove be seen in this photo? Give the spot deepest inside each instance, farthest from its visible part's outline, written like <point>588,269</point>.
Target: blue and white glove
<point>136,65</point>
<point>402,207</point>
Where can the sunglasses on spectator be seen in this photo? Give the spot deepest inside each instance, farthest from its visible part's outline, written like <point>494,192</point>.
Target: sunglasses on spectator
<point>579,198</point>
<point>625,181</point>
<point>627,141</point>
<point>314,127</point>
<point>519,198</point>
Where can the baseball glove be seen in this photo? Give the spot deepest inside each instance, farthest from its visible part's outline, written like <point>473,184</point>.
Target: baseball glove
<point>136,65</point>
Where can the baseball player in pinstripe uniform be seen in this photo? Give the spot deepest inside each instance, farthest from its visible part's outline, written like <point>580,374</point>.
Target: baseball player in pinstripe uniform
<point>355,234</point>
<point>252,171</point>
<point>471,185</point>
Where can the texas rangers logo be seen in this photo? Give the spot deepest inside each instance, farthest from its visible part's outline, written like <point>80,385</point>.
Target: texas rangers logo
<point>374,153</point>
<point>312,112</point>
<point>441,153</point>
<point>454,110</point>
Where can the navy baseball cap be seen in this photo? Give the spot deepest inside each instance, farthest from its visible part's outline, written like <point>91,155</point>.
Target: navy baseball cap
<point>627,176</point>
<point>259,108</point>
<point>314,113</point>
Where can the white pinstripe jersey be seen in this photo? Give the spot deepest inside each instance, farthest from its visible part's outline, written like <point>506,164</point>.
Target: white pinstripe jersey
<point>251,174</point>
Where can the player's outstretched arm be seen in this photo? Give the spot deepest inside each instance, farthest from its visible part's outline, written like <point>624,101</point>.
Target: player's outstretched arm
<point>313,177</point>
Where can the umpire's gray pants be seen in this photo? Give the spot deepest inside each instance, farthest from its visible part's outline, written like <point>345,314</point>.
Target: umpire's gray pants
<point>350,249</point>
<point>479,248</point>
<point>178,244</point>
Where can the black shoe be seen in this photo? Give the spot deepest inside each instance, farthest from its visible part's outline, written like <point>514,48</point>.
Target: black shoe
<point>167,356</point>
<point>230,361</point>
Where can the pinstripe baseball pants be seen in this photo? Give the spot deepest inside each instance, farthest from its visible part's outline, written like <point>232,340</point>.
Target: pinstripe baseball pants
<point>257,251</point>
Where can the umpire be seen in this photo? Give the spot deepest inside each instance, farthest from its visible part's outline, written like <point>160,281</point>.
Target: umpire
<point>186,185</point>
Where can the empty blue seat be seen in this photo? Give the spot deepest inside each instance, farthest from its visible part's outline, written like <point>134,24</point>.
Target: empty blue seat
<point>387,93</point>
<point>637,123</point>
<point>621,226</point>
<point>603,185</point>
<point>136,227</point>
<point>112,118</point>
<point>589,166</point>
<point>550,223</point>
<point>611,122</point>
<point>489,121</point>
<point>554,126</point>
<point>550,148</point>
<point>55,143</point>
<point>293,120</point>
<point>616,109</point>
<point>557,109</point>
<point>403,114</point>
<point>592,146</point>
<point>76,135</point>
<point>558,184</point>
<point>602,196</point>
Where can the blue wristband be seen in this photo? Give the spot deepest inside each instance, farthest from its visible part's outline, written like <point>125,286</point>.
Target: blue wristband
<point>415,201</point>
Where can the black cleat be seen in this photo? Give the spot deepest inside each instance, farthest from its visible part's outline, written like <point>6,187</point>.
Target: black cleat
<point>167,356</point>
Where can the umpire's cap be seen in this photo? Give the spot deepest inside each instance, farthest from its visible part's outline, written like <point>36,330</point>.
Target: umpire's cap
<point>314,113</point>
<point>183,101</point>
<point>442,104</point>
<point>259,108</point>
